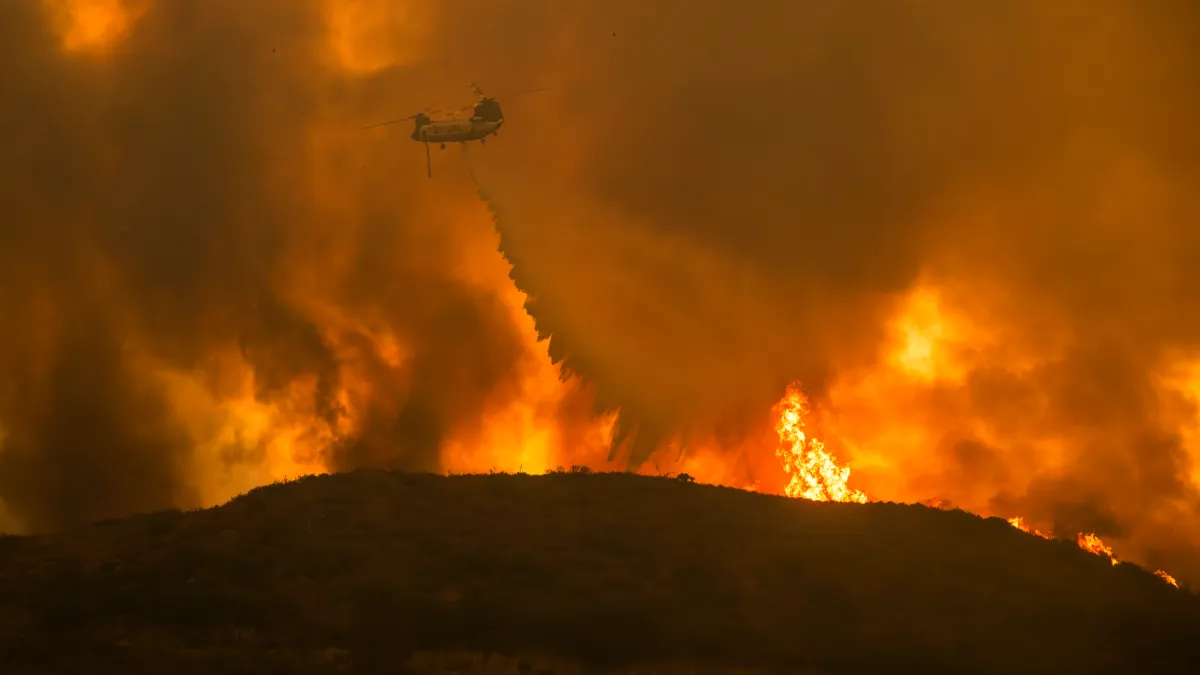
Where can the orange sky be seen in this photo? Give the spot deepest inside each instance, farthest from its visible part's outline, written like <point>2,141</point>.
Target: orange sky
<point>967,230</point>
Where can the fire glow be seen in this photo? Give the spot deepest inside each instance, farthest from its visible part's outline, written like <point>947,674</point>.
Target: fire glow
<point>815,475</point>
<point>813,472</point>
<point>958,403</point>
<point>1089,542</point>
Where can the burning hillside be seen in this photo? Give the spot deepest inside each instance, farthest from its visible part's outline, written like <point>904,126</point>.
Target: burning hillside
<point>975,255</point>
<point>815,475</point>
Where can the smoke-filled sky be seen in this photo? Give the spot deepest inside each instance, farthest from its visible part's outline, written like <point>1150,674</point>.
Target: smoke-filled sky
<point>969,229</point>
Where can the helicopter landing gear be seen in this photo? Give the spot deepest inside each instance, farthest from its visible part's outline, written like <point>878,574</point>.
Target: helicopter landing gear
<point>443,146</point>
<point>483,141</point>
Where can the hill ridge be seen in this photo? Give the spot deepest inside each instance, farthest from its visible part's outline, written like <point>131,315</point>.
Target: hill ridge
<point>612,570</point>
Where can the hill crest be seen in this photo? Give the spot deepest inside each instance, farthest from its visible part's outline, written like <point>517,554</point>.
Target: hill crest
<point>611,570</point>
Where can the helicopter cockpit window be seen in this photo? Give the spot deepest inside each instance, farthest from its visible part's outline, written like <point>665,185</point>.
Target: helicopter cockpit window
<point>488,110</point>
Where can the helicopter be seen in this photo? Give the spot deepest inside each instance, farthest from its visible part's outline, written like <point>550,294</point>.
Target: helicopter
<point>485,120</point>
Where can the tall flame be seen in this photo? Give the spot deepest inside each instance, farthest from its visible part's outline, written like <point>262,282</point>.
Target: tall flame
<point>814,473</point>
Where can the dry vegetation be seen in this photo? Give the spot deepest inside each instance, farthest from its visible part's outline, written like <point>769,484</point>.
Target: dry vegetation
<point>359,572</point>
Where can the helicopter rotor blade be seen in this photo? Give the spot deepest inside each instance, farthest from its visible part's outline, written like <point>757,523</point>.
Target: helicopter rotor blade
<point>381,124</point>
<point>521,93</point>
<point>435,111</point>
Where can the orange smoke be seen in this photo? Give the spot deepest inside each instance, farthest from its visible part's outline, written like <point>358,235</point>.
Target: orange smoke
<point>704,459</point>
<point>542,419</point>
<point>93,26</point>
<point>242,428</point>
<point>241,436</point>
<point>367,36</point>
<point>883,419</point>
<point>1182,376</point>
<point>909,449</point>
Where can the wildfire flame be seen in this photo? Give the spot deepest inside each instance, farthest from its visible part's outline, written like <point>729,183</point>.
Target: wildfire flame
<point>1090,542</point>
<point>1019,523</point>
<point>1166,577</point>
<point>814,474</point>
<point>1093,544</point>
<point>244,434</point>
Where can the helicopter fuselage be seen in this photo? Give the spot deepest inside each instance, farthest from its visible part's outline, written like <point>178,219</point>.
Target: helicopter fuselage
<point>455,130</point>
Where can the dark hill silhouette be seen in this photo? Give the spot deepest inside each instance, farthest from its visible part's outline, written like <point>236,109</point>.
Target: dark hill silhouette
<point>354,572</point>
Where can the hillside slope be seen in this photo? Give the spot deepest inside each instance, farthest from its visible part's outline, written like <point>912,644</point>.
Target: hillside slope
<point>607,569</point>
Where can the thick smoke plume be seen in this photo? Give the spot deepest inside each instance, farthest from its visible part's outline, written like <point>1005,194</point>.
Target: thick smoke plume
<point>208,278</point>
<point>969,229</point>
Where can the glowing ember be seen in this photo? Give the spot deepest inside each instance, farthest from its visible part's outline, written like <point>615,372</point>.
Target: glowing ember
<point>1093,544</point>
<point>813,472</point>
<point>1166,577</point>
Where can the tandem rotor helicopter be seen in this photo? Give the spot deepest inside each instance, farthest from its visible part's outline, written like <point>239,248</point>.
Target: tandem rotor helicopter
<point>485,120</point>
